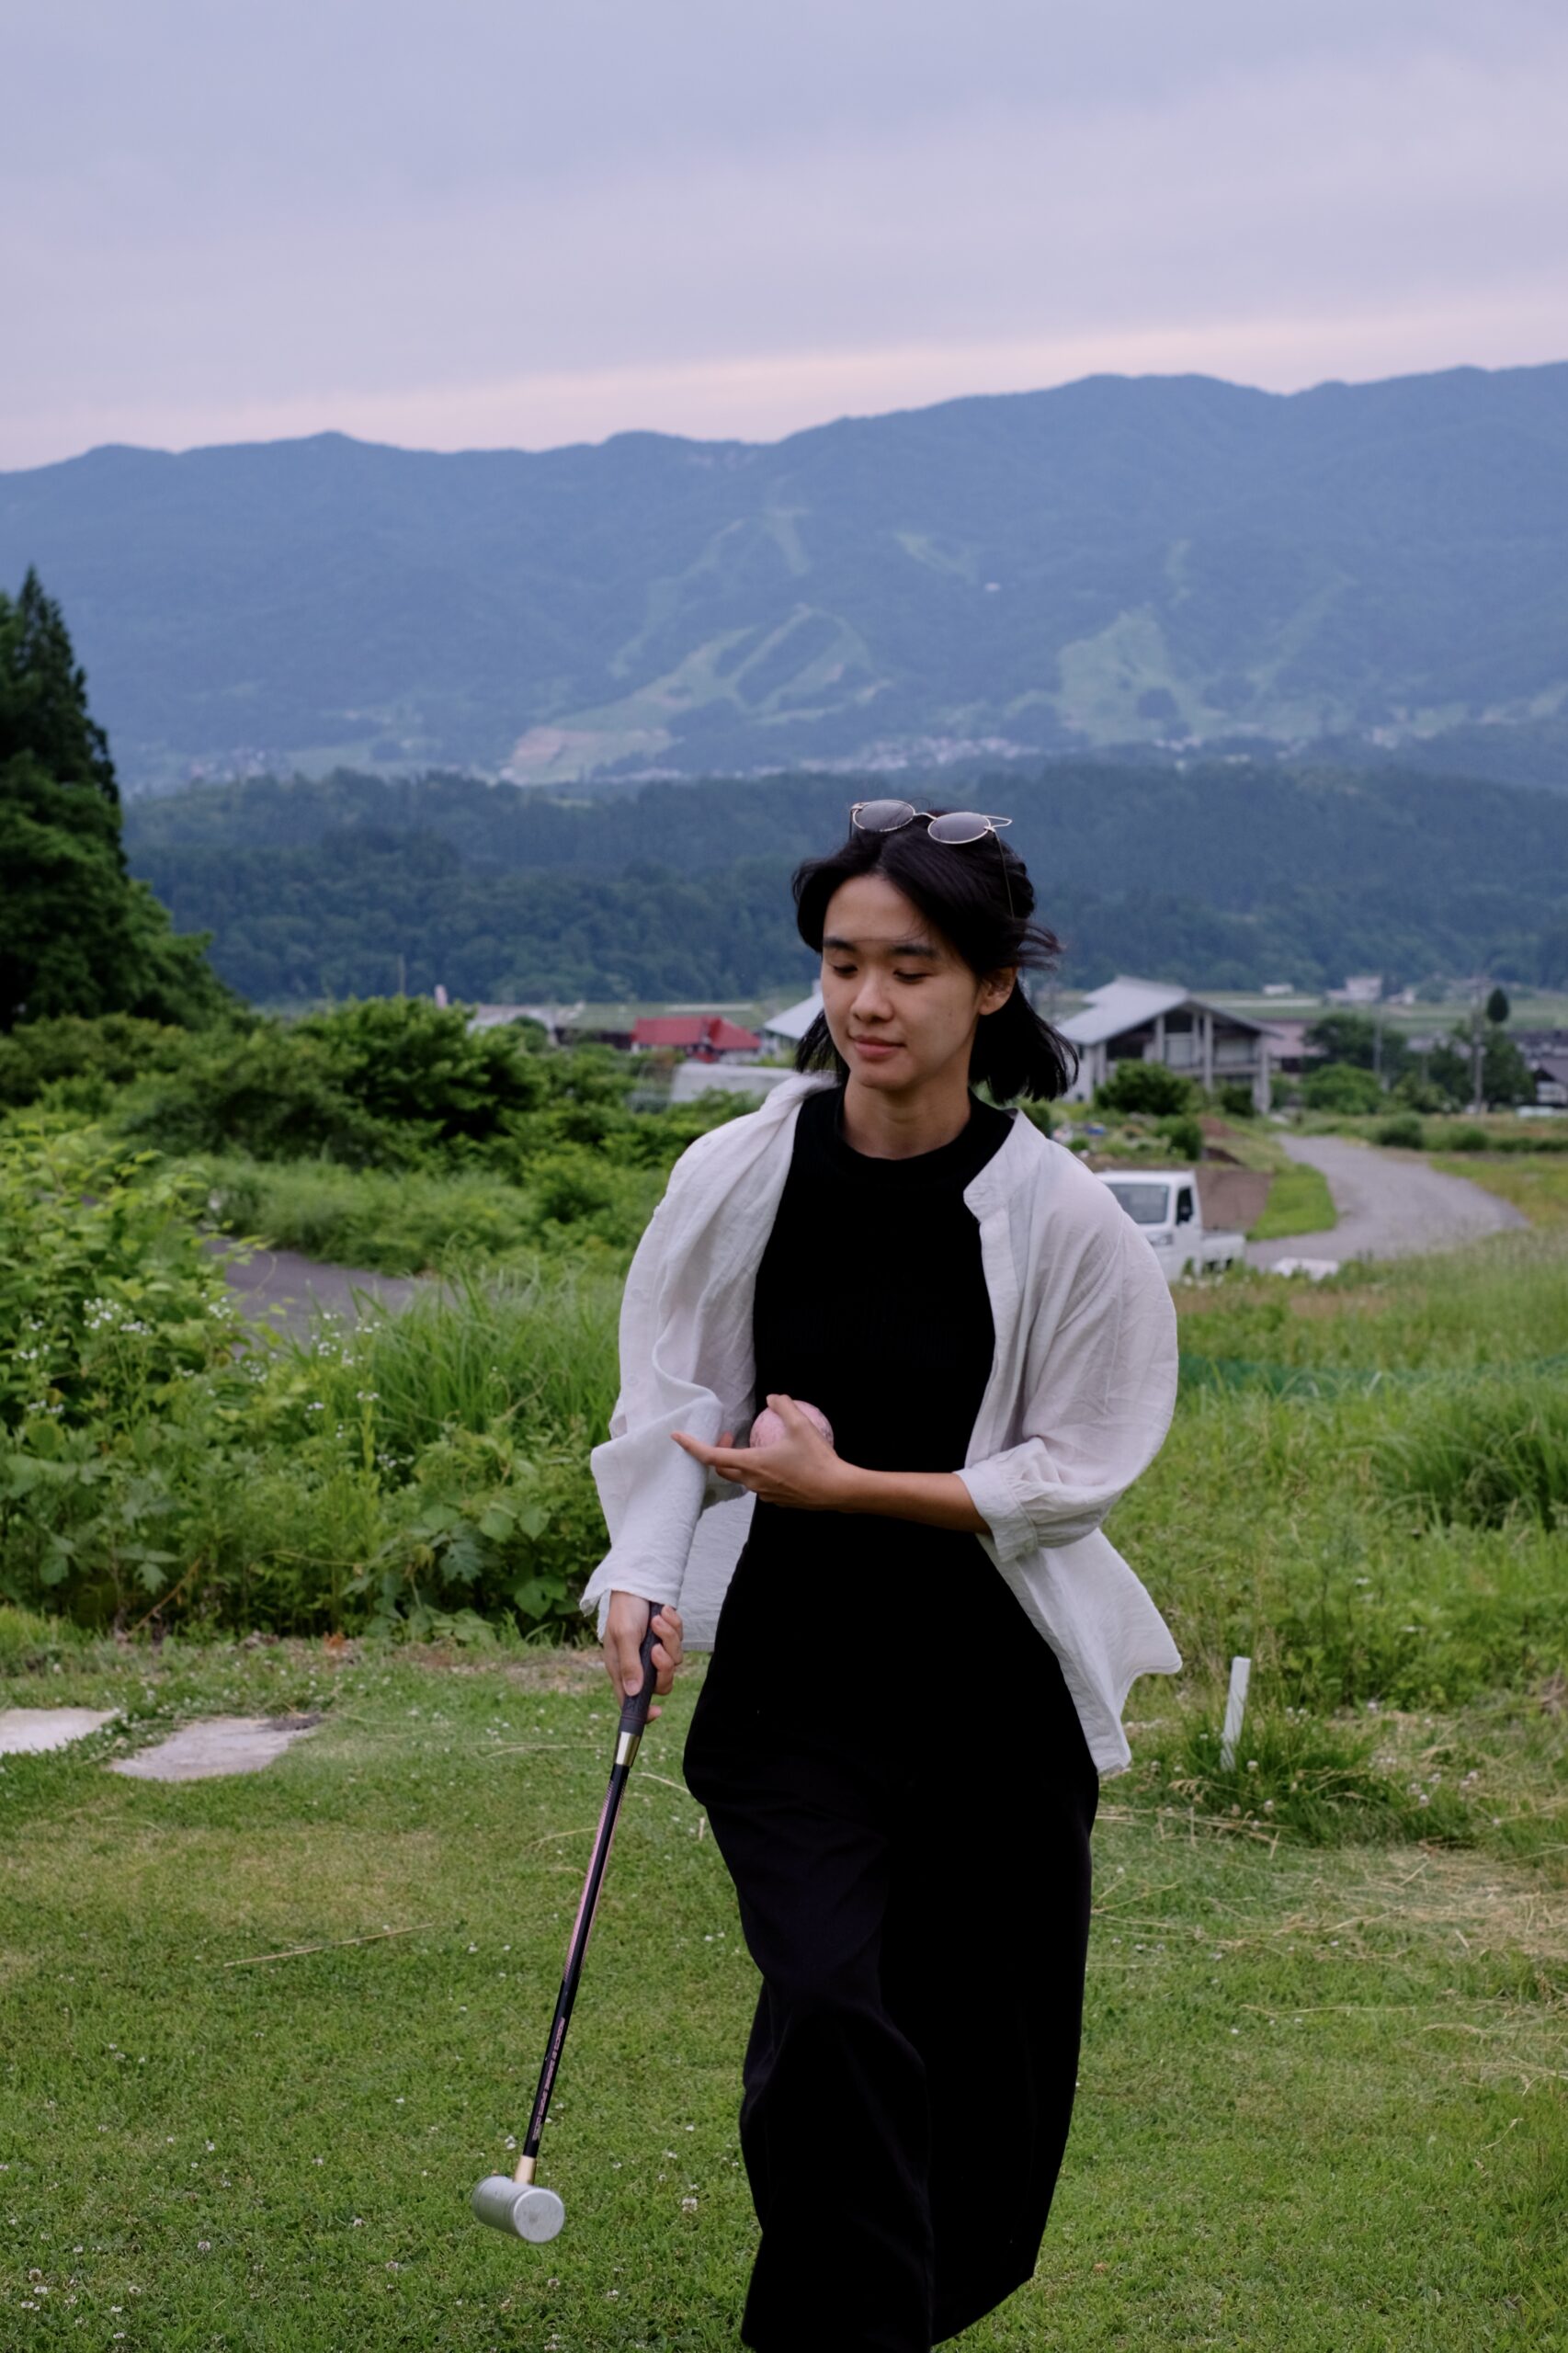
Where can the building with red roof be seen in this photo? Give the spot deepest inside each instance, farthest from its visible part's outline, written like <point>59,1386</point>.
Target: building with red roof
<point>704,1037</point>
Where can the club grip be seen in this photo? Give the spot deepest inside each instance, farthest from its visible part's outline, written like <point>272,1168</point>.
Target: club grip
<point>634,1709</point>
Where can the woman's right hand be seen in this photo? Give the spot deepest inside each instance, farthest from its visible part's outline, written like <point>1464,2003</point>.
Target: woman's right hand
<point>625,1625</point>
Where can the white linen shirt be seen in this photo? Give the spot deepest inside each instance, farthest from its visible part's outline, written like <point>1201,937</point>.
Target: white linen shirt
<point>1082,1389</point>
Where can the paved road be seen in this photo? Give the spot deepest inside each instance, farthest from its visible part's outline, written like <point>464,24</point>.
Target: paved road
<point>304,1288</point>
<point>1390,1205</point>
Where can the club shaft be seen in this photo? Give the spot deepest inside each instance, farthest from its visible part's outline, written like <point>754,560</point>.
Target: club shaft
<point>633,1721</point>
<point>582,1928</point>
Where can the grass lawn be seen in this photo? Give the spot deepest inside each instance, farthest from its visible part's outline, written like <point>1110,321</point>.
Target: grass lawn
<point>1298,1199</point>
<point>1299,1202</point>
<point>1538,1185</point>
<point>1324,2096</point>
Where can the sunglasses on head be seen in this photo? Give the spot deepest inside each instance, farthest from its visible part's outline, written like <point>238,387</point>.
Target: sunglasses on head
<point>957,827</point>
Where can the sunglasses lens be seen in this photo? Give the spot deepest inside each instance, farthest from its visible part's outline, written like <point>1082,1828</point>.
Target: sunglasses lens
<point>883,816</point>
<point>960,826</point>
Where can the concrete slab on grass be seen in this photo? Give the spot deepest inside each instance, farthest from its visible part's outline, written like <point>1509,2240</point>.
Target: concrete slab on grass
<point>223,1745</point>
<point>28,1731</point>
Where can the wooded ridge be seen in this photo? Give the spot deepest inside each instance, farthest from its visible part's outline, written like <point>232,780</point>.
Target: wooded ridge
<point>1115,562</point>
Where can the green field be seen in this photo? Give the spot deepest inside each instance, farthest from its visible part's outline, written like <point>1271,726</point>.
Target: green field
<point>260,2036</point>
<point>1322,2104</point>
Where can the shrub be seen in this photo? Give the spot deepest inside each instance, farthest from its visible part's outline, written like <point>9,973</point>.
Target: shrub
<point>158,1455</point>
<point>87,1057</point>
<point>1341,1087</point>
<point>1404,1133</point>
<point>1415,1093</point>
<point>1468,1138</point>
<point>269,1092</point>
<point>418,1067</point>
<point>1151,1087</point>
<point>104,1283</point>
<point>1184,1136</point>
<point>1236,1100</point>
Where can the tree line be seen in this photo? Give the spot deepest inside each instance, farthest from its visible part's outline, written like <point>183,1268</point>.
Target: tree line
<point>1226,874</point>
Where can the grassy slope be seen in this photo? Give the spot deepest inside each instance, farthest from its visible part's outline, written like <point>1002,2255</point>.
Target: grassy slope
<point>1298,1199</point>
<point>1321,2105</point>
<point>1299,1202</point>
<point>1538,1185</point>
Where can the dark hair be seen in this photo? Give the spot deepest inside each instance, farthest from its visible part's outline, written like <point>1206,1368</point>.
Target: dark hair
<point>979,896</point>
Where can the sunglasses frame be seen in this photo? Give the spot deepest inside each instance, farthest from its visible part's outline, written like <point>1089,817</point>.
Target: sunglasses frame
<point>987,825</point>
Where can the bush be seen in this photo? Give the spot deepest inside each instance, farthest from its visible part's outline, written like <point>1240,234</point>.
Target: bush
<point>1341,1087</point>
<point>1404,1133</point>
<point>1468,1138</point>
<point>121,1317</point>
<point>1414,1093</point>
<point>402,1084</point>
<point>269,1092</point>
<point>88,1057</point>
<point>1236,1100</point>
<point>104,1284</point>
<point>158,1456</point>
<point>1150,1087</point>
<point>1184,1136</point>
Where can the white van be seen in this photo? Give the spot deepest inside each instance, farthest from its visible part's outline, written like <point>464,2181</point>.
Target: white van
<point>1166,1205</point>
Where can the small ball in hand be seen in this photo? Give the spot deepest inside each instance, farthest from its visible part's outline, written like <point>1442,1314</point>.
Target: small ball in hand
<point>768,1427</point>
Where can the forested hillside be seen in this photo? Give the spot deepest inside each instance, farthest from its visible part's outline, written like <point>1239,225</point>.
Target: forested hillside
<point>1228,874</point>
<point>1113,561</point>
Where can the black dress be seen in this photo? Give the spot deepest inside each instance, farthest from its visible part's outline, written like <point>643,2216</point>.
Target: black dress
<point>905,1809</point>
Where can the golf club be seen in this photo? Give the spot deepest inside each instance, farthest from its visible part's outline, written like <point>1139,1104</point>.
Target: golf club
<point>516,2203</point>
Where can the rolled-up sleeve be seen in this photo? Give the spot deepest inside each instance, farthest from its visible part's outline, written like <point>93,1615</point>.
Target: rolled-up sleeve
<point>1099,1392</point>
<point>652,1491</point>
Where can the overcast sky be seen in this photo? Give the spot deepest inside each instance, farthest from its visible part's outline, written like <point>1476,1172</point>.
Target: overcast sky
<point>520,222</point>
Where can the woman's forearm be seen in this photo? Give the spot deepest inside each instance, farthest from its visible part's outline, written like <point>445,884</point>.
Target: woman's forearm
<point>938,1498</point>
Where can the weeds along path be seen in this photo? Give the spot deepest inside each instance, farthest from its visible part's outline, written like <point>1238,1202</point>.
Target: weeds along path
<point>1390,1205</point>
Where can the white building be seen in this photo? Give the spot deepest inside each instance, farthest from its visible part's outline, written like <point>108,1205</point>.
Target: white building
<point>788,1028</point>
<point>555,1018</point>
<point>1157,1022</point>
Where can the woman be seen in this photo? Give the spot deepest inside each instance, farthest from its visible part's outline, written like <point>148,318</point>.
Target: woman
<point>904,1799</point>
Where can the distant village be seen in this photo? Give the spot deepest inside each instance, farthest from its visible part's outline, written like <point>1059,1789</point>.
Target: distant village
<point>1207,1039</point>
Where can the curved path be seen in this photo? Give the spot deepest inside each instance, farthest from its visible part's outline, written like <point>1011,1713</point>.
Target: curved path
<point>306,1288</point>
<point>1390,1205</point>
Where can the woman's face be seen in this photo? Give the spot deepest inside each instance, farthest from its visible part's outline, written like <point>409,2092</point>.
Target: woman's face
<point>901,1003</point>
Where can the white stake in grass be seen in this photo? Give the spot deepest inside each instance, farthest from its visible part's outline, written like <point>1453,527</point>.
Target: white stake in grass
<point>1235,1708</point>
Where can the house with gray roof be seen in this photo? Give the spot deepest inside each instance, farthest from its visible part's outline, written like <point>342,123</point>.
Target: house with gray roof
<point>1158,1021</point>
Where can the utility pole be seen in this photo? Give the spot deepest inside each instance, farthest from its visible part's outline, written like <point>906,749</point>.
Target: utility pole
<point>1476,1104</point>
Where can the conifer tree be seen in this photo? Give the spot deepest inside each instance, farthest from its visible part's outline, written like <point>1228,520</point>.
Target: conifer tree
<point>79,935</point>
<point>44,695</point>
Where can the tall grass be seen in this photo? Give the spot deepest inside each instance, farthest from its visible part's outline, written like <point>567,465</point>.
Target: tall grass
<point>1288,1529</point>
<point>1483,1454</point>
<point>535,1347</point>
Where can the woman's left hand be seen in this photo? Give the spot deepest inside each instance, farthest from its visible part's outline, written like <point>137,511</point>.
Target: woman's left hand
<point>802,1472</point>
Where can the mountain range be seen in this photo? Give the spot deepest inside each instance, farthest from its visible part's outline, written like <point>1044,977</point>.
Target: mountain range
<point>1129,562</point>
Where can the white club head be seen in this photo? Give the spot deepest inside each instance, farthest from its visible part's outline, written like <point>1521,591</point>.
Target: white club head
<point>520,2208</point>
